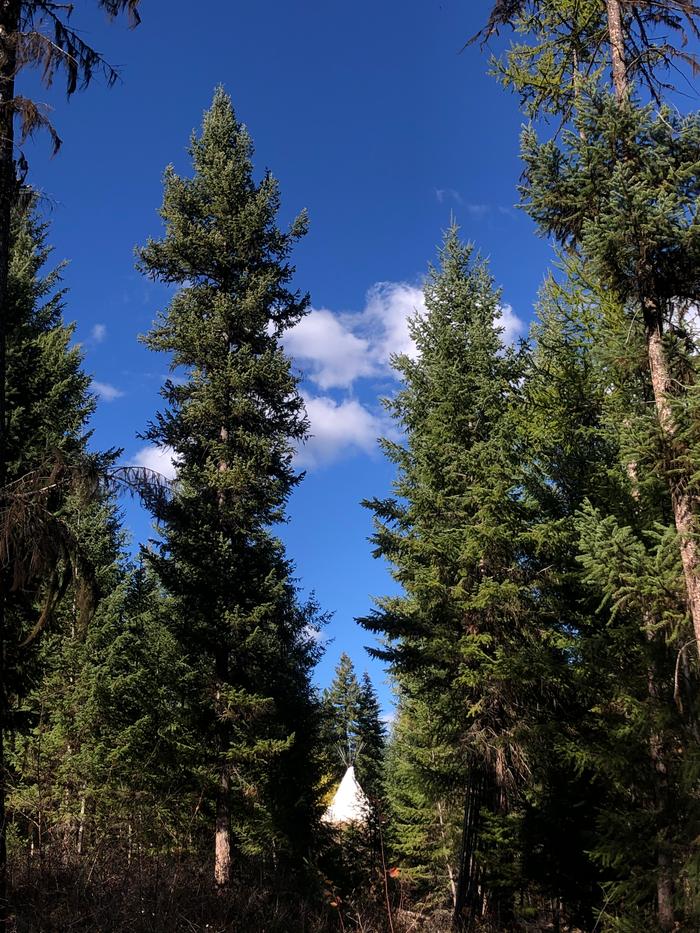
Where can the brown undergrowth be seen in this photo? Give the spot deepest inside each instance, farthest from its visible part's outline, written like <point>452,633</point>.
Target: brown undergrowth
<point>152,895</point>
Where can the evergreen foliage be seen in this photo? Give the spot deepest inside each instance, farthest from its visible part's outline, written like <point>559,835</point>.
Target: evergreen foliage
<point>232,423</point>
<point>542,770</point>
<point>452,532</point>
<point>425,801</point>
<point>353,732</point>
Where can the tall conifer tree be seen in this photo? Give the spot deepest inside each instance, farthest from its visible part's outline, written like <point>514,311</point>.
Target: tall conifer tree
<point>232,423</point>
<point>45,421</point>
<point>451,533</point>
<point>619,187</point>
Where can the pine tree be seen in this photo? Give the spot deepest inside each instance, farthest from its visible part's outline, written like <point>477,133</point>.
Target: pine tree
<point>372,738</point>
<point>353,732</point>
<point>232,423</point>
<point>451,533</point>
<point>45,432</point>
<point>341,733</point>
<point>425,799</point>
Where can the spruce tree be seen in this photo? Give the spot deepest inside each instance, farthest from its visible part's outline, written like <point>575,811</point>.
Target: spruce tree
<point>372,737</point>
<point>340,705</point>
<point>353,732</point>
<point>45,433</point>
<point>451,533</point>
<point>232,423</point>
<point>425,799</point>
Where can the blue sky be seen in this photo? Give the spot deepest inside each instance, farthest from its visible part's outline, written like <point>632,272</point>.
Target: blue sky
<point>373,120</point>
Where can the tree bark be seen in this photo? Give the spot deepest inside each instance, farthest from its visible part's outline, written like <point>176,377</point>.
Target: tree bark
<point>617,47</point>
<point>222,833</point>
<point>681,499</point>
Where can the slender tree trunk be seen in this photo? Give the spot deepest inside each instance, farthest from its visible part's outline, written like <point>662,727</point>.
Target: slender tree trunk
<point>448,864</point>
<point>617,47</point>
<point>222,829</point>
<point>681,499</point>
<point>469,898</point>
<point>664,880</point>
<point>9,19</point>
<point>81,826</point>
<point>222,833</point>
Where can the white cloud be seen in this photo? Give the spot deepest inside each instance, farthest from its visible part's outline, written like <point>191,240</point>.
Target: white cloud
<point>335,355</point>
<point>106,391</point>
<point>158,459</point>
<point>337,429</point>
<point>337,349</point>
<point>513,326</point>
<point>98,333</point>
<point>385,317</point>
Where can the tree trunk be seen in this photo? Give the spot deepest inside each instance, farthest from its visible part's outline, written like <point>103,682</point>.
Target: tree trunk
<point>222,834</point>
<point>664,893</point>
<point>222,829</point>
<point>222,826</point>
<point>664,880</point>
<point>81,826</point>
<point>446,850</point>
<point>617,47</point>
<point>681,499</point>
<point>469,897</point>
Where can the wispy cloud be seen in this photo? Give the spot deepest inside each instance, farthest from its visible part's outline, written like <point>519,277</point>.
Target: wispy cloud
<point>478,210</point>
<point>159,459</point>
<point>447,195</point>
<point>98,333</point>
<point>106,391</point>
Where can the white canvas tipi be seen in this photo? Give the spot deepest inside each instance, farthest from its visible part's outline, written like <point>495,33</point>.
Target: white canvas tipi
<point>349,804</point>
